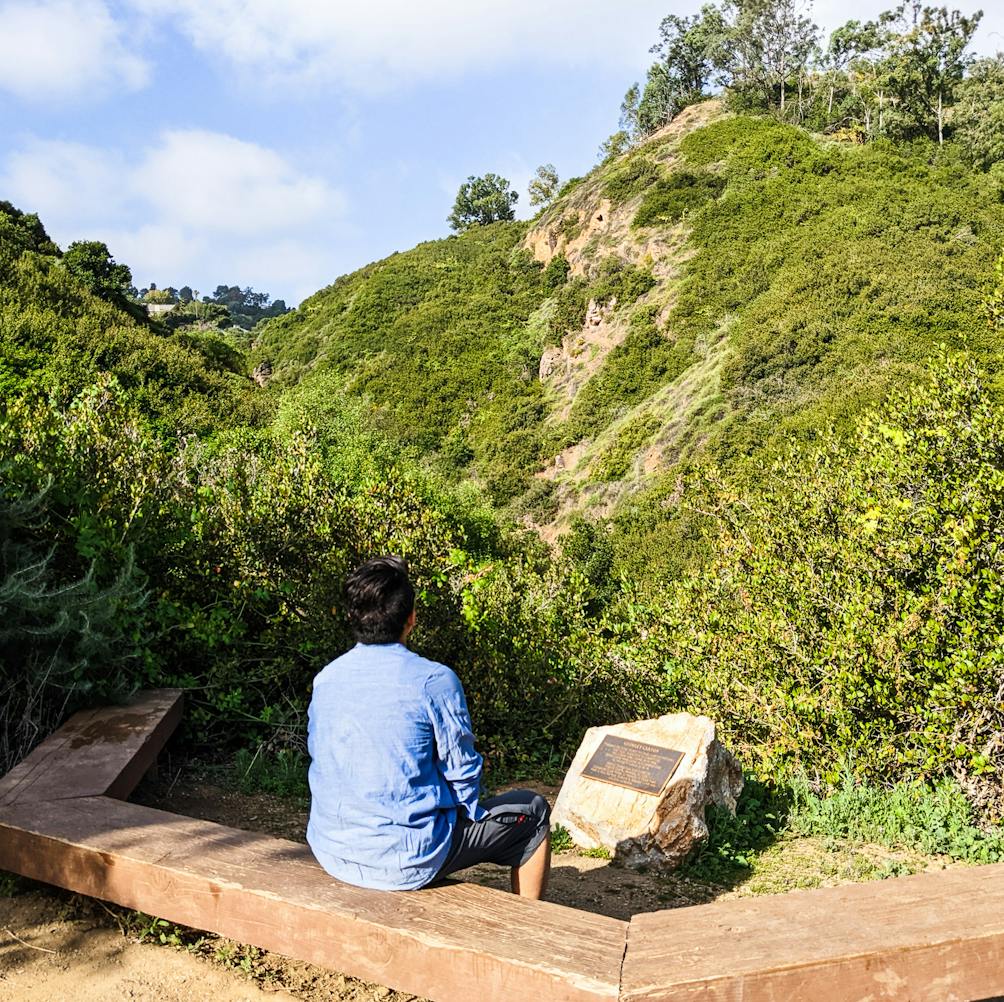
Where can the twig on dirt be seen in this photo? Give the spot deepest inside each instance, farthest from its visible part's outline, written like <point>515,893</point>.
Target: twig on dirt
<point>31,946</point>
<point>174,782</point>
<point>114,915</point>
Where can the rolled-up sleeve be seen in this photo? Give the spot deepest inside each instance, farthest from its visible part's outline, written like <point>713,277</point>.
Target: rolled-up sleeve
<point>459,761</point>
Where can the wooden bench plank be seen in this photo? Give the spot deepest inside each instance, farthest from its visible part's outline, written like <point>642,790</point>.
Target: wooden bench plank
<point>97,752</point>
<point>933,936</point>
<point>452,942</point>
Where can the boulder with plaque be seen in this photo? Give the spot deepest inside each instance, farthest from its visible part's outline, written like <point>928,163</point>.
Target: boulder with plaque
<point>640,789</point>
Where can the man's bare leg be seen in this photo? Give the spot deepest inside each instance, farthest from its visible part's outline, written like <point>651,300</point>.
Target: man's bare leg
<point>530,879</point>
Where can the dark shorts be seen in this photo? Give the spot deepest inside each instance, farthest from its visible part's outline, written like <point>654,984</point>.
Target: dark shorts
<point>517,823</point>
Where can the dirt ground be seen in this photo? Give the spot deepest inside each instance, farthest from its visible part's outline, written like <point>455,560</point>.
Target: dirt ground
<point>54,948</point>
<point>58,947</point>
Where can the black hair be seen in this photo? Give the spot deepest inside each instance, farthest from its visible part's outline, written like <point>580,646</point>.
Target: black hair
<point>379,600</point>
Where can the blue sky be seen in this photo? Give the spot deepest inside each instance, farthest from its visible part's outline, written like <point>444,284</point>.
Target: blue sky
<point>280,143</point>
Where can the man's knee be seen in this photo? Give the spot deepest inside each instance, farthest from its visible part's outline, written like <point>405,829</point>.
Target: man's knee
<point>540,808</point>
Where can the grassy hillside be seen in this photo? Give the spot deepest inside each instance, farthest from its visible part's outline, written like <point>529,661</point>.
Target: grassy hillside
<point>730,287</point>
<point>442,340</point>
<point>56,337</point>
<point>751,285</point>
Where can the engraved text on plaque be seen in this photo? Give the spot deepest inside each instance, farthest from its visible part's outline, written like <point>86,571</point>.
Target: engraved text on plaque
<point>634,765</point>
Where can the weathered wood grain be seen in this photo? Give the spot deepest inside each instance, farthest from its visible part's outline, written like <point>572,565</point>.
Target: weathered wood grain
<point>97,752</point>
<point>452,942</point>
<point>934,937</point>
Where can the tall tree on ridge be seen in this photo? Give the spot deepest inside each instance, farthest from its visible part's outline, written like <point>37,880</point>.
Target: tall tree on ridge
<point>482,200</point>
<point>926,60</point>
<point>679,77</point>
<point>978,115</point>
<point>767,43</point>
<point>544,185</point>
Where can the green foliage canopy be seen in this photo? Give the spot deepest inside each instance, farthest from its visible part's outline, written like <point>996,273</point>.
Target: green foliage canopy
<point>482,200</point>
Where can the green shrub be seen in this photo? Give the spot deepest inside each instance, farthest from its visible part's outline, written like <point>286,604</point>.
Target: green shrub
<point>569,186</point>
<point>615,462</point>
<point>645,360</point>
<point>670,199</point>
<point>571,226</point>
<point>852,609</point>
<point>937,820</point>
<point>632,176</point>
<point>282,771</point>
<point>242,543</point>
<point>556,272</point>
<point>618,279</point>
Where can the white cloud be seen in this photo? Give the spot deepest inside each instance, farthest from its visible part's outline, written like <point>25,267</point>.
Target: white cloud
<point>71,181</point>
<point>55,49</point>
<point>240,187</point>
<point>386,43</point>
<point>195,207</point>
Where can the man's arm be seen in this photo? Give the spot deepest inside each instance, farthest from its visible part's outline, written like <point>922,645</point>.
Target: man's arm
<point>459,761</point>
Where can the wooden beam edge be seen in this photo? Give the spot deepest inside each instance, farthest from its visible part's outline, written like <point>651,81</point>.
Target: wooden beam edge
<point>351,943</point>
<point>938,965</point>
<point>39,776</point>
<point>153,744</point>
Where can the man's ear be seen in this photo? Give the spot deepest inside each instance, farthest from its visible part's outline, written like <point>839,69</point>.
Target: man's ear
<point>409,624</point>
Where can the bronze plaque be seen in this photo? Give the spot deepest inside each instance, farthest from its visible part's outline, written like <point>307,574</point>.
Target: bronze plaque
<point>634,765</point>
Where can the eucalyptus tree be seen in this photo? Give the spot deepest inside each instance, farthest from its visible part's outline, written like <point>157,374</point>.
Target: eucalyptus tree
<point>686,56</point>
<point>765,45</point>
<point>544,185</point>
<point>925,60</point>
<point>978,115</point>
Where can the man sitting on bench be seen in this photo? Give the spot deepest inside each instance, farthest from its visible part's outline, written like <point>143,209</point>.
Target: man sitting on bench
<point>394,775</point>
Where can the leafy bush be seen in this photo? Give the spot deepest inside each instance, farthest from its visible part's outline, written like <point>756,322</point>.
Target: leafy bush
<point>852,609</point>
<point>937,820</point>
<point>632,177</point>
<point>242,543</point>
<point>70,615</point>
<point>556,272</point>
<point>670,199</point>
<point>617,279</point>
<point>632,370</point>
<point>616,460</point>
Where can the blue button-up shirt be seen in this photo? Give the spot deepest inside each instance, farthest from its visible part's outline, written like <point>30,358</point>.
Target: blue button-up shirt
<point>392,761</point>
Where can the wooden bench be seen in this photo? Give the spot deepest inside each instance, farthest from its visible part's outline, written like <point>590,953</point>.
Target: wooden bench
<point>60,823</point>
<point>937,936</point>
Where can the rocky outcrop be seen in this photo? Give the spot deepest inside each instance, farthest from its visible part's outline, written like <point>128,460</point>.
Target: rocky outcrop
<point>568,366</point>
<point>262,373</point>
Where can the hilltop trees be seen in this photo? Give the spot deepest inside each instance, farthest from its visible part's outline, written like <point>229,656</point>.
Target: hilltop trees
<point>895,76</point>
<point>978,116</point>
<point>228,305</point>
<point>924,62</point>
<point>763,50</point>
<point>687,51</point>
<point>23,231</point>
<point>482,200</point>
<point>91,263</point>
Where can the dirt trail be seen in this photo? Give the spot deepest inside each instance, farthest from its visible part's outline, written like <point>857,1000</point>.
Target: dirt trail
<point>67,955</point>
